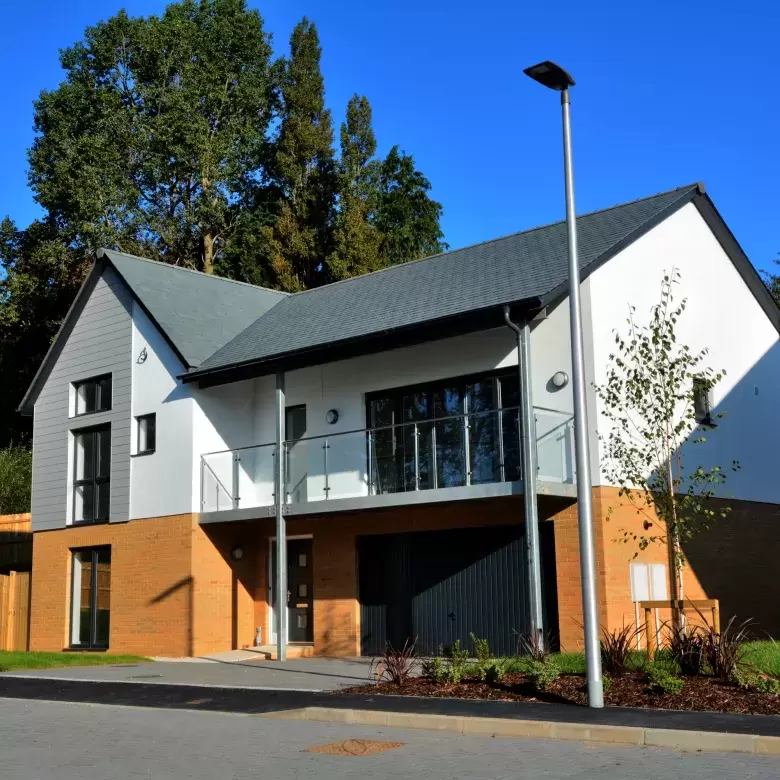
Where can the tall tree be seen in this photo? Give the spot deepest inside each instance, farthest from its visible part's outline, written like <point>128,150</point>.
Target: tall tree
<point>356,241</point>
<point>406,215</point>
<point>157,131</point>
<point>303,167</point>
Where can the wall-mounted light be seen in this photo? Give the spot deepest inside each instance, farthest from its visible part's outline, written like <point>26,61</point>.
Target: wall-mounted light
<point>331,417</point>
<point>560,379</point>
<point>237,553</point>
<point>142,356</point>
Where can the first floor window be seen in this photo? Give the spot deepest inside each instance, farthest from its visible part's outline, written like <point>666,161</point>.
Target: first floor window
<point>147,434</point>
<point>91,598</point>
<point>702,402</point>
<point>91,480</point>
<point>93,395</point>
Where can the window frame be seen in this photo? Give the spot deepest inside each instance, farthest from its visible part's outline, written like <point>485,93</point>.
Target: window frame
<point>701,392</point>
<point>93,597</point>
<point>95,479</point>
<point>148,451</point>
<point>98,394</point>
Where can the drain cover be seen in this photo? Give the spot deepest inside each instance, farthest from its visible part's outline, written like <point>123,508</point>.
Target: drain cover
<point>354,747</point>
<point>144,676</point>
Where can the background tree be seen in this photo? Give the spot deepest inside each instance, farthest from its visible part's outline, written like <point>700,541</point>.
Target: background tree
<point>15,479</point>
<point>772,281</point>
<point>303,168</point>
<point>650,397</point>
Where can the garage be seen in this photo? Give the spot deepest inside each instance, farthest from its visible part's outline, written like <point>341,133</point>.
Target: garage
<point>440,586</point>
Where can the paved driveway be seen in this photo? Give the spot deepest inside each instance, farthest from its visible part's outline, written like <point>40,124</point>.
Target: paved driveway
<point>310,674</point>
<point>43,740</point>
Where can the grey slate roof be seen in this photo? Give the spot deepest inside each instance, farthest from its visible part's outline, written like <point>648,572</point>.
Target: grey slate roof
<point>198,313</point>
<point>519,267</point>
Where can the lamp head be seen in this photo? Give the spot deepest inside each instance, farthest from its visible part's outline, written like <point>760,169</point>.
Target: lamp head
<point>550,75</point>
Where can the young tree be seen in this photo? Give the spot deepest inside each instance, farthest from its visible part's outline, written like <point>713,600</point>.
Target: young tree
<point>654,396</point>
<point>303,168</point>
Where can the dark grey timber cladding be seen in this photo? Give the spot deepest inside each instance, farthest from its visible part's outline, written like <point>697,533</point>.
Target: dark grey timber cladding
<point>438,587</point>
<point>100,343</point>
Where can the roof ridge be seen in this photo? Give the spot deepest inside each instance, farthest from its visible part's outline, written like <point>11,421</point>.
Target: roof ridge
<point>193,271</point>
<point>684,188</point>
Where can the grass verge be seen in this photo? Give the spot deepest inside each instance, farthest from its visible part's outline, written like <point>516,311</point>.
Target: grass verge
<point>10,661</point>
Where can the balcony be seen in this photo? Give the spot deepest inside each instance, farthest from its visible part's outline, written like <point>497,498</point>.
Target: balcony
<point>445,459</point>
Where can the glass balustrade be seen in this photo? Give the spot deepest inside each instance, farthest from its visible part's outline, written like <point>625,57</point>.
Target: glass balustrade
<point>456,451</point>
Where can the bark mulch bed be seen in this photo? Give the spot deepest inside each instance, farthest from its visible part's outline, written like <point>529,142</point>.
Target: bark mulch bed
<point>699,693</point>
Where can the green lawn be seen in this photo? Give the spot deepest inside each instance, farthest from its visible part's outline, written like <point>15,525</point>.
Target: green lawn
<point>763,656</point>
<point>13,660</point>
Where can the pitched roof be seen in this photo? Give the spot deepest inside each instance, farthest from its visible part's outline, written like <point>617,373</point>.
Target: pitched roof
<point>520,267</point>
<point>198,313</point>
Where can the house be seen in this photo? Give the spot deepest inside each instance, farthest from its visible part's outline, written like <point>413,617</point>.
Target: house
<point>161,406</point>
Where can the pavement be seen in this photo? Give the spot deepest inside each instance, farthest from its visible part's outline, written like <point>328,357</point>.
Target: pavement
<point>69,741</point>
<point>224,671</point>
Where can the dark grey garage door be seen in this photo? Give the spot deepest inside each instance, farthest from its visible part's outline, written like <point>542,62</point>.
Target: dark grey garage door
<point>439,586</point>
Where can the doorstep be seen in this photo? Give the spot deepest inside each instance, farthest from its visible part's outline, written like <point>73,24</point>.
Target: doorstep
<point>294,651</point>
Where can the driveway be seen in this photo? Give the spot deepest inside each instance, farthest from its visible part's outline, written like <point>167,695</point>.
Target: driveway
<point>309,674</point>
<point>71,741</point>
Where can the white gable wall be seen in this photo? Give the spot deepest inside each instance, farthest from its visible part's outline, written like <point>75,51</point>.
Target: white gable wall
<point>722,315</point>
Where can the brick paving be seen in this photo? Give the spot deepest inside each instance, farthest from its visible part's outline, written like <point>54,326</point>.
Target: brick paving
<point>101,742</point>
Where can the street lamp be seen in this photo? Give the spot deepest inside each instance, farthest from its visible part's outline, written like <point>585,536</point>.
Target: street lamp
<point>555,77</point>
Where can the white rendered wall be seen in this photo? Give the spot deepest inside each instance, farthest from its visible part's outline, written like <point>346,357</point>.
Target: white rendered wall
<point>722,315</point>
<point>161,482</point>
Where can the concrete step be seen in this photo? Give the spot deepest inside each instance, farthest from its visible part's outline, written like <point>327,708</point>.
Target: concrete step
<point>293,651</point>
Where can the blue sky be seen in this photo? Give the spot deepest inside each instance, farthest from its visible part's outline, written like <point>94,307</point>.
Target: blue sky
<point>668,93</point>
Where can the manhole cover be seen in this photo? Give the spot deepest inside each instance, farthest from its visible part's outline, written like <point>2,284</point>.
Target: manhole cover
<point>354,747</point>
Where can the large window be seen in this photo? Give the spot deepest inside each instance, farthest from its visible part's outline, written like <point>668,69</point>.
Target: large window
<point>91,479</point>
<point>93,395</point>
<point>445,434</point>
<point>91,598</point>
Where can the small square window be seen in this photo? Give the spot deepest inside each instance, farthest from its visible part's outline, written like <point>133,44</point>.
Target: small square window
<point>303,620</point>
<point>147,434</point>
<point>303,590</point>
<point>93,395</point>
<point>302,560</point>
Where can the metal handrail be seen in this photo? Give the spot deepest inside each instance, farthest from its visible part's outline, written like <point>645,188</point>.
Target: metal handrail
<point>219,481</point>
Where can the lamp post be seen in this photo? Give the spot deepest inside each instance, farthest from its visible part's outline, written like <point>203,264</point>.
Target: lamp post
<point>554,77</point>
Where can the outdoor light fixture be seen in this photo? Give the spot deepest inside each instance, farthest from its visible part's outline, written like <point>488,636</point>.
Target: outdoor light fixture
<point>332,417</point>
<point>550,75</point>
<point>554,77</point>
<point>237,553</point>
<point>560,379</point>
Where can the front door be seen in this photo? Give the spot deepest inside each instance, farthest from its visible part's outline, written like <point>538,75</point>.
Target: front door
<point>300,598</point>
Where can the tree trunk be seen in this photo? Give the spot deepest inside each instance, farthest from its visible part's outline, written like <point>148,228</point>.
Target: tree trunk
<point>673,544</point>
<point>208,253</point>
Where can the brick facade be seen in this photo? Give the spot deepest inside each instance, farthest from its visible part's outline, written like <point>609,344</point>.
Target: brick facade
<point>176,590</point>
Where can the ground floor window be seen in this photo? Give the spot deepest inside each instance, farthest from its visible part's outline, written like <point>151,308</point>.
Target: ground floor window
<point>91,597</point>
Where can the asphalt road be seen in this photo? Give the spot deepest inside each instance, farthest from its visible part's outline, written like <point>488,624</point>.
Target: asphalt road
<point>64,740</point>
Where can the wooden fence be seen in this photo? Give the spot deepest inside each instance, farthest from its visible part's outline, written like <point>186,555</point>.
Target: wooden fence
<point>15,610</point>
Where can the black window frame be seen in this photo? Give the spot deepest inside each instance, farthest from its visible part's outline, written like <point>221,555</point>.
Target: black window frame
<point>702,403</point>
<point>138,420</point>
<point>92,644</point>
<point>96,380</point>
<point>94,480</point>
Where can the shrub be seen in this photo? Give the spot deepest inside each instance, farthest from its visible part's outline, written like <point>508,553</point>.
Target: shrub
<point>15,479</point>
<point>726,651</point>
<point>534,645</point>
<point>606,683</point>
<point>542,674</point>
<point>750,679</point>
<point>459,662</point>
<point>397,666</point>
<point>433,669</point>
<point>495,672</point>
<point>481,649</point>
<point>659,678</point>
<point>686,649</point>
<point>616,649</point>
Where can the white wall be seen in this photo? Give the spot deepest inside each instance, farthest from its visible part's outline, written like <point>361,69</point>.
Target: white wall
<point>160,483</point>
<point>723,316</point>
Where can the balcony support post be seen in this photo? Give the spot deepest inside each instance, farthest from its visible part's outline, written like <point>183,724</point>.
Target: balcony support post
<point>281,531</point>
<point>528,454</point>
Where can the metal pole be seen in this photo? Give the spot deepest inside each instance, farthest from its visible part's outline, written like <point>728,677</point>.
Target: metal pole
<point>281,532</point>
<point>528,453</point>
<point>582,459</point>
